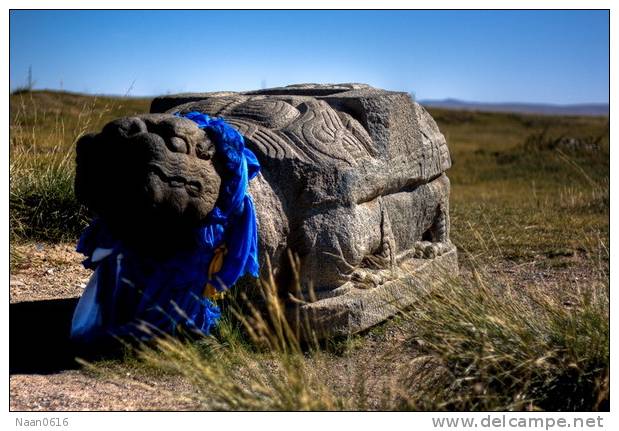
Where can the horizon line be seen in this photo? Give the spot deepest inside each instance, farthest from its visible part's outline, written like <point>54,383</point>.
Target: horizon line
<point>19,89</point>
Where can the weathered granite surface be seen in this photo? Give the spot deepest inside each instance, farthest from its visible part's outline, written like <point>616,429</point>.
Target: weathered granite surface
<point>353,181</point>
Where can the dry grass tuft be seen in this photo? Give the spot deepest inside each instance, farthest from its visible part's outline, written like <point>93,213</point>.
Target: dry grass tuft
<point>493,346</point>
<point>260,366</point>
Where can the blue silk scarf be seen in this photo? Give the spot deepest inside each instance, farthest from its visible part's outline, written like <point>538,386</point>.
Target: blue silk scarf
<point>133,295</point>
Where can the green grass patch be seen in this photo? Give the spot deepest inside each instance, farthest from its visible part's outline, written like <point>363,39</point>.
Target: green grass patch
<point>525,186</point>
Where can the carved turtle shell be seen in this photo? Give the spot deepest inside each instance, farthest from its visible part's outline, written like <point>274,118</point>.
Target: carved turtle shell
<point>344,142</point>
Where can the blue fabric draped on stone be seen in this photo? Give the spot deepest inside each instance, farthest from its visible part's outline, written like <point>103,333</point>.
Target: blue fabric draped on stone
<point>234,203</point>
<point>129,293</point>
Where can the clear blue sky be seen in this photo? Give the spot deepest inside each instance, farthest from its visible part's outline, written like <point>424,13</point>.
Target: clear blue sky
<point>488,56</point>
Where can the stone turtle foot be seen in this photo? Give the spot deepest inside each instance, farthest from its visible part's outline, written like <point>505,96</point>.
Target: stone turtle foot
<point>430,250</point>
<point>368,279</point>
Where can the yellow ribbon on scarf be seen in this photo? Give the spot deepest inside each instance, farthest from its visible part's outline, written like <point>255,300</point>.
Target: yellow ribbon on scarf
<point>214,267</point>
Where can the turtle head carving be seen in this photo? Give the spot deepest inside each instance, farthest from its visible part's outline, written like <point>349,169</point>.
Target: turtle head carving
<point>150,169</point>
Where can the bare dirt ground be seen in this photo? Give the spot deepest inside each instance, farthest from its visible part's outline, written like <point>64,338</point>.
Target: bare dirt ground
<point>46,273</point>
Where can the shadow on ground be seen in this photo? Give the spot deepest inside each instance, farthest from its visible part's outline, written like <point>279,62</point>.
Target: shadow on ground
<point>39,336</point>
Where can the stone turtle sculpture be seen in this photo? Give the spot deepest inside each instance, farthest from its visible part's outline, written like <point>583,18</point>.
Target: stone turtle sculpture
<point>352,181</point>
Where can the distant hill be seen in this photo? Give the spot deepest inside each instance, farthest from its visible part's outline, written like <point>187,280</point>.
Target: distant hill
<point>590,109</point>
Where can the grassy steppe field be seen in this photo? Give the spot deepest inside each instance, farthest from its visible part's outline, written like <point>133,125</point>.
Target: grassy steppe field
<point>524,327</point>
